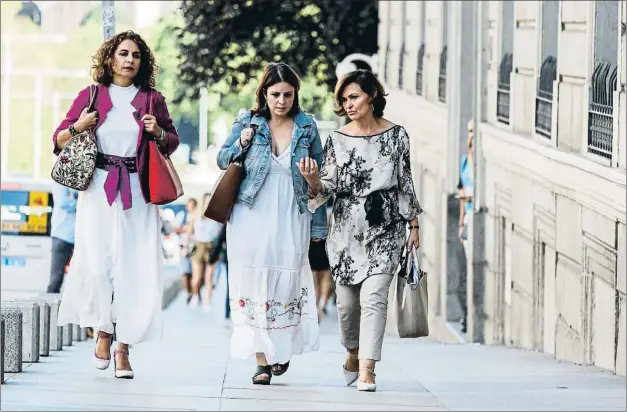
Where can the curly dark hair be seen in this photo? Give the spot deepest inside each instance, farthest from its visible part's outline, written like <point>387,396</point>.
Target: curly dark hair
<point>101,68</point>
<point>368,83</point>
<point>276,73</point>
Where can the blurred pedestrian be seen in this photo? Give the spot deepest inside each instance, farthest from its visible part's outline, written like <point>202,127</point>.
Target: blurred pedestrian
<point>202,232</point>
<point>322,275</point>
<point>367,167</point>
<point>62,233</point>
<point>186,246</point>
<point>271,286</point>
<point>465,214</point>
<point>219,257</point>
<point>117,268</point>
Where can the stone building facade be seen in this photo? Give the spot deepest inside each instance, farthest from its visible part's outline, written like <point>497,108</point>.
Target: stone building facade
<point>545,82</point>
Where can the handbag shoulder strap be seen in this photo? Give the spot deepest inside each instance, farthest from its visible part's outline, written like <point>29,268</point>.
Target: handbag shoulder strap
<point>93,93</point>
<point>242,156</point>
<point>149,102</point>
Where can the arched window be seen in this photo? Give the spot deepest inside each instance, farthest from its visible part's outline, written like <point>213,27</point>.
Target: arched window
<point>604,80</point>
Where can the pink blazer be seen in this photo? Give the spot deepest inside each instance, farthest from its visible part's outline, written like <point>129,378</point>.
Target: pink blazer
<point>104,104</point>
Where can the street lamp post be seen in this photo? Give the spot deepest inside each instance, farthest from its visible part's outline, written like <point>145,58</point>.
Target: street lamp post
<point>108,19</point>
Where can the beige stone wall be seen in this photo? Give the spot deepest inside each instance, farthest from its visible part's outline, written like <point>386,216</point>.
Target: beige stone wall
<point>554,242</point>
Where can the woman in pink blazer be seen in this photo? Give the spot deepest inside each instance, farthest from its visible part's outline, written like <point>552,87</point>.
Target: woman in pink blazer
<point>115,277</point>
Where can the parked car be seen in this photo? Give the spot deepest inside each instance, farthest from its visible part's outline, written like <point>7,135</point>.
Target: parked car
<point>25,230</point>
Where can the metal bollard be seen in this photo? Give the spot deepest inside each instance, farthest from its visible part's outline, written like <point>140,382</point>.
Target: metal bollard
<point>12,340</point>
<point>30,328</point>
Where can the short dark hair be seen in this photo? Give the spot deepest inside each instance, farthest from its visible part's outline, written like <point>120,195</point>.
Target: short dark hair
<point>368,83</point>
<point>193,201</point>
<point>276,73</point>
<point>102,71</point>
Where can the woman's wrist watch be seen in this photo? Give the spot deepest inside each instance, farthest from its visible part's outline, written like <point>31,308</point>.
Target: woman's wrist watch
<point>411,227</point>
<point>73,131</point>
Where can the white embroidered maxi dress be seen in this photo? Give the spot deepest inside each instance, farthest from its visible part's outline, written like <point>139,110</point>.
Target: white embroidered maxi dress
<point>116,271</point>
<point>273,304</point>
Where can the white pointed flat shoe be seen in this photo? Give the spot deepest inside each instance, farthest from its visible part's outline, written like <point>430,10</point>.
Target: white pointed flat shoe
<point>364,386</point>
<point>350,377</point>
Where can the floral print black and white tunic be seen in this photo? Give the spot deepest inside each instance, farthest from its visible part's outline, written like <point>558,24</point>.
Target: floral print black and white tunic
<point>353,168</point>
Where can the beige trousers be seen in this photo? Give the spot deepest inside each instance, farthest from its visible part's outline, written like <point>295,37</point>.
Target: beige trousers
<point>362,312</point>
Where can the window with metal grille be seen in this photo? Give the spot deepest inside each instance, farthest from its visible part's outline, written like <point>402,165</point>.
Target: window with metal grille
<point>387,63</point>
<point>401,57</point>
<point>548,71</point>
<point>419,69</point>
<point>604,79</point>
<point>601,110</point>
<point>506,65</point>
<point>442,76</point>
<point>503,89</point>
<point>421,51</point>
<point>544,96</point>
<point>443,54</point>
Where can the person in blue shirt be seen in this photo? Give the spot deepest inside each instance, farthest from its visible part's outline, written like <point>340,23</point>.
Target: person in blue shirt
<point>62,232</point>
<point>465,213</point>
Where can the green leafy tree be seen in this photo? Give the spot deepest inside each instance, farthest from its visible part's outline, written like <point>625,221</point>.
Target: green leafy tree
<point>228,42</point>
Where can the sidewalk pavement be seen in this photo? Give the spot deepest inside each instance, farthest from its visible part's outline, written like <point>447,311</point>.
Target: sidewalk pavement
<point>191,370</point>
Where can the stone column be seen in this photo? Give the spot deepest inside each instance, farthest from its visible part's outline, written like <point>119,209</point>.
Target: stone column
<point>67,334</point>
<point>44,329</point>
<point>30,328</point>
<point>2,350</point>
<point>12,358</point>
<point>56,332</point>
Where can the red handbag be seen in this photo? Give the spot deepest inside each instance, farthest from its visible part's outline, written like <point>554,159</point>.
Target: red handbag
<point>164,183</point>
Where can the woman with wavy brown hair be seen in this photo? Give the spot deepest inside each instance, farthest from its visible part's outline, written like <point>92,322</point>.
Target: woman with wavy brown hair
<point>116,272</point>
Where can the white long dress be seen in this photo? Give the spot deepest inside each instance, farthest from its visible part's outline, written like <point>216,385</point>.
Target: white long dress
<point>116,271</point>
<point>272,296</point>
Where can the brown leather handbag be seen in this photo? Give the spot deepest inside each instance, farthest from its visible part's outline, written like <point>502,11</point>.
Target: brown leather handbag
<point>224,193</point>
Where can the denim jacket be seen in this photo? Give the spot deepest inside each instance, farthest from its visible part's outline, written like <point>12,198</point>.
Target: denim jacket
<point>305,142</point>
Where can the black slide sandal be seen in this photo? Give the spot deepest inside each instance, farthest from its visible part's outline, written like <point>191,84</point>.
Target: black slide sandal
<point>262,370</point>
<point>279,369</point>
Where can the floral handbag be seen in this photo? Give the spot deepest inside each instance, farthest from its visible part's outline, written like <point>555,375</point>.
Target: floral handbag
<point>76,163</point>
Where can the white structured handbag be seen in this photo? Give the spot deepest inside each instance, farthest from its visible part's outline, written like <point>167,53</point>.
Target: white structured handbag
<point>408,299</point>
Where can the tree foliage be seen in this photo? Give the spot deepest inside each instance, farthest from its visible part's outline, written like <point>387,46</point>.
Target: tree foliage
<point>230,41</point>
